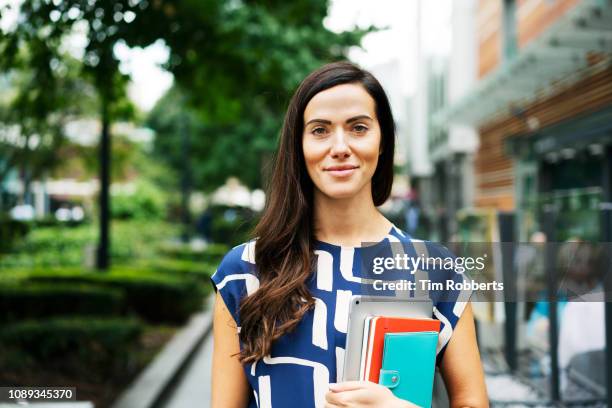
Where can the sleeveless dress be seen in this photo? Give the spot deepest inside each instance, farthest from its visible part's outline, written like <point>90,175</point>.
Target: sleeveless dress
<point>302,363</point>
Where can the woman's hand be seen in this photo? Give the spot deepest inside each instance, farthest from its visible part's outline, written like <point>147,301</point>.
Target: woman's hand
<point>362,394</point>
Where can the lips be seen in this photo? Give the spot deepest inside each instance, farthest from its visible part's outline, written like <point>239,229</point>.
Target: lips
<point>342,167</point>
<point>343,170</point>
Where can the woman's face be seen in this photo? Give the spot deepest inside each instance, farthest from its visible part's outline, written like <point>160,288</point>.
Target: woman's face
<point>341,141</point>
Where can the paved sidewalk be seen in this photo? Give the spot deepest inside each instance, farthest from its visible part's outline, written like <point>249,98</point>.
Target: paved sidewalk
<point>511,391</point>
<point>193,389</point>
<point>507,388</point>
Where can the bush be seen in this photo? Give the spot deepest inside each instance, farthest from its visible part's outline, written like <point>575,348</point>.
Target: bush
<point>36,300</point>
<point>50,221</point>
<point>232,225</point>
<point>70,246</point>
<point>12,276</point>
<point>139,239</point>
<point>158,298</point>
<point>155,297</point>
<point>230,233</point>
<point>51,246</point>
<point>198,270</point>
<point>86,339</point>
<point>11,231</point>
<point>145,203</point>
<point>59,238</point>
<point>70,257</point>
<point>212,254</point>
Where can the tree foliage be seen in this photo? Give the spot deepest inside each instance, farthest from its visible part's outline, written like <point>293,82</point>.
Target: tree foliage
<point>235,60</point>
<point>33,113</point>
<point>237,90</point>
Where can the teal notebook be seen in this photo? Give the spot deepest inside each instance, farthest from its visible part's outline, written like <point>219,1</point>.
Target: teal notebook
<point>408,365</point>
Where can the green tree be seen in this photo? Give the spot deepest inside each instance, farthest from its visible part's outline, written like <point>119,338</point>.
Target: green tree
<point>34,109</point>
<point>237,58</point>
<point>237,104</point>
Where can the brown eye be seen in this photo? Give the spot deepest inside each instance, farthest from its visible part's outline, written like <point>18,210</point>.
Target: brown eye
<point>360,128</point>
<point>318,131</point>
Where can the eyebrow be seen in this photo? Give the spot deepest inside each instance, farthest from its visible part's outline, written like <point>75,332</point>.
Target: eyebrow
<point>328,122</point>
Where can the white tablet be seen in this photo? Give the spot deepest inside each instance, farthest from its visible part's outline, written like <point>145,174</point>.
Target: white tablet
<point>364,306</point>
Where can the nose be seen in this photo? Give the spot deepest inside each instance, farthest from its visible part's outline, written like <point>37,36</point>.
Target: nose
<point>340,147</point>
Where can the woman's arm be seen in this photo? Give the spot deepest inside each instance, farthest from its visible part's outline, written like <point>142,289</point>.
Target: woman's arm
<point>461,366</point>
<point>230,388</point>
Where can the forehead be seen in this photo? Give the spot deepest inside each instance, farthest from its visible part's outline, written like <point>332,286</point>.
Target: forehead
<point>341,101</point>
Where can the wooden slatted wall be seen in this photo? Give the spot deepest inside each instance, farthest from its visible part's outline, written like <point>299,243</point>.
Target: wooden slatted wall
<point>494,169</point>
<point>534,16</point>
<point>488,20</point>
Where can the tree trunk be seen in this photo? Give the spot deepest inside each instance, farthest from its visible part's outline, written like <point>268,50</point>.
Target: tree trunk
<point>185,180</point>
<point>102,260</point>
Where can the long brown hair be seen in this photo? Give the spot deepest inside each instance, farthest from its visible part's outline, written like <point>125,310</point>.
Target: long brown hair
<point>285,234</point>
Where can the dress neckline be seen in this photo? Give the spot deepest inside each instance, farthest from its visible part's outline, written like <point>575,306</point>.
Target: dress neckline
<point>349,247</point>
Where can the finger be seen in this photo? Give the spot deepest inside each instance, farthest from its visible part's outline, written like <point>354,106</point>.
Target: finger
<point>337,399</point>
<point>347,386</point>
<point>362,396</point>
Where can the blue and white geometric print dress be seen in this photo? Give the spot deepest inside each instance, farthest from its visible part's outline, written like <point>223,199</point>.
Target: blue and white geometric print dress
<point>302,363</point>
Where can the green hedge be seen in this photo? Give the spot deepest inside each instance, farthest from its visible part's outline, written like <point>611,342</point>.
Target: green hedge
<point>232,225</point>
<point>51,221</point>
<point>215,253</point>
<point>212,254</point>
<point>52,258</point>
<point>139,239</point>
<point>36,300</point>
<point>11,232</point>
<point>147,202</point>
<point>52,246</point>
<point>59,238</point>
<point>86,339</point>
<point>156,297</point>
<point>201,271</point>
<point>68,246</point>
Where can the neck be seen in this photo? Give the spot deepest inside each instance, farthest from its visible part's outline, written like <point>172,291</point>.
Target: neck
<point>348,221</point>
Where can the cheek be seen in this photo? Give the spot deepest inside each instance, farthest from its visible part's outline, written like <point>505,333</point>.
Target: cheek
<point>369,150</point>
<point>313,152</point>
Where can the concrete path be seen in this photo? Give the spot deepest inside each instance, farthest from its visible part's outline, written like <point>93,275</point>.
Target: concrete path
<point>193,388</point>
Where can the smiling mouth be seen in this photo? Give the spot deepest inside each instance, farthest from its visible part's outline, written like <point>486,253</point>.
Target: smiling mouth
<point>341,171</point>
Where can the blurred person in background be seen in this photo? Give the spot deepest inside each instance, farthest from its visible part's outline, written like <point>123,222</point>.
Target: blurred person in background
<point>280,329</point>
<point>530,283</point>
<point>582,323</point>
<point>412,211</point>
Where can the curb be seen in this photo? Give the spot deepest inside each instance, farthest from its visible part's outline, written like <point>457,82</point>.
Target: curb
<point>156,380</point>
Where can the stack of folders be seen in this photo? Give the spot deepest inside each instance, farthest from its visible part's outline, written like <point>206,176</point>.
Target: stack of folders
<point>400,353</point>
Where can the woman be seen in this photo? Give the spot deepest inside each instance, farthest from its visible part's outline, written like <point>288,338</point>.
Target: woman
<point>281,308</point>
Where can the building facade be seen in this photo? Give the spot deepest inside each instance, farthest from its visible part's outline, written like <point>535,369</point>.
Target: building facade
<point>445,178</point>
<point>542,108</point>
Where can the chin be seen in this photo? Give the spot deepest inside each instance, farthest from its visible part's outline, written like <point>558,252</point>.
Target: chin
<point>340,193</point>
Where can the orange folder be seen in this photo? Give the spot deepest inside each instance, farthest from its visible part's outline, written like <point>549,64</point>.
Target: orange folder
<point>379,326</point>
